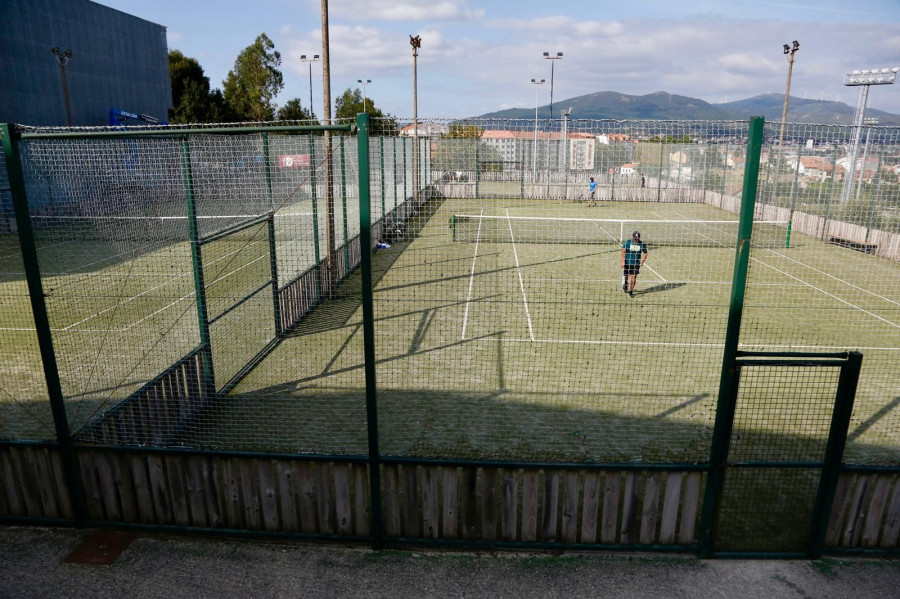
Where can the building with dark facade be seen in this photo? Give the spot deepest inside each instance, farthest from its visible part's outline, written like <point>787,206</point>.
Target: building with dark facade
<point>118,62</point>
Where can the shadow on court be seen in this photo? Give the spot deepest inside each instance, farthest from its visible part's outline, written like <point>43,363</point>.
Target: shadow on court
<point>658,288</point>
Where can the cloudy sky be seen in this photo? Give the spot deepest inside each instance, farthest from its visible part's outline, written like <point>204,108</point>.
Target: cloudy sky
<point>479,56</point>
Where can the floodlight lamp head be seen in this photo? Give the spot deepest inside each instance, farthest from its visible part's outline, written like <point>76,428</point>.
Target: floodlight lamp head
<point>415,42</point>
<point>55,50</point>
<point>796,45</point>
<point>787,49</point>
<point>546,55</point>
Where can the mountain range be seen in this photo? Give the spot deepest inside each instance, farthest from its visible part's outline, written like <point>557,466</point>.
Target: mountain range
<point>666,106</point>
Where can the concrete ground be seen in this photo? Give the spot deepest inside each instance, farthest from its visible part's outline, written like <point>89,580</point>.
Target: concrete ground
<point>33,563</point>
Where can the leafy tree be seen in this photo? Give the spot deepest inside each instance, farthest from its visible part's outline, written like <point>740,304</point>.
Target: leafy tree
<point>252,85</point>
<point>192,100</point>
<point>462,131</point>
<point>294,111</point>
<point>350,103</point>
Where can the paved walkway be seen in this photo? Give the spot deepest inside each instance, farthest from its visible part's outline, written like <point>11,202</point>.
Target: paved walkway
<point>33,563</point>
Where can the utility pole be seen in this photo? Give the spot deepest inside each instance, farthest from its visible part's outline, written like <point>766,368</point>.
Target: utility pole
<point>63,59</point>
<point>416,43</point>
<point>327,287</point>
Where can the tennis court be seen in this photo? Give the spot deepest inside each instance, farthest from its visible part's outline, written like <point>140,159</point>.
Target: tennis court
<point>503,344</point>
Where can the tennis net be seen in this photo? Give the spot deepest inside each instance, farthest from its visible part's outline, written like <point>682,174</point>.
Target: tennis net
<point>471,228</point>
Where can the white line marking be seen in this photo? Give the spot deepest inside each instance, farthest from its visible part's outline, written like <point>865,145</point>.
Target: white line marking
<point>656,273</point>
<point>833,277</point>
<point>686,344</point>
<point>811,286</point>
<point>471,280</point>
<point>521,282</point>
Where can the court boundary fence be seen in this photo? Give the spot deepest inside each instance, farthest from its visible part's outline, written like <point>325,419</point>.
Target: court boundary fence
<point>111,474</point>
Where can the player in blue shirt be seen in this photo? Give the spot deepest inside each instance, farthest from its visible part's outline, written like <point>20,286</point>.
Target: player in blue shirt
<point>634,254</point>
<point>593,190</point>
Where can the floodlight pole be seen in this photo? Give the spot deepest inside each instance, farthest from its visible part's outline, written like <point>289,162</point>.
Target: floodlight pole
<point>536,83</point>
<point>862,79</point>
<point>314,58</point>
<point>63,59</point>
<point>416,43</point>
<point>789,51</point>
<point>552,60</point>
<point>862,172</point>
<point>364,84</point>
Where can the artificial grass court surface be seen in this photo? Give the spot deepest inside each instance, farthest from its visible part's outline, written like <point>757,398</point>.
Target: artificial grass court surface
<point>527,350</point>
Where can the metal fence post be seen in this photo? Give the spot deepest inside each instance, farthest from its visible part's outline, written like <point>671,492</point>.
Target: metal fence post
<point>273,257</point>
<point>36,295</point>
<point>729,378</point>
<point>344,208</point>
<point>381,179</point>
<point>365,240</point>
<point>209,379</point>
<point>834,451</point>
<point>315,215</point>
<point>787,241</point>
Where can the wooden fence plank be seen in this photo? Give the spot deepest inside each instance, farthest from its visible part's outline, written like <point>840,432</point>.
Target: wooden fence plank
<point>875,511</point>
<point>529,505</point>
<point>650,510</point>
<point>430,502</point>
<point>62,489</point>
<point>570,508</point>
<point>469,502</point>
<point>177,489</point>
<point>590,507</point>
<point>106,485</point>
<point>143,493</point>
<point>342,508</point>
<point>842,498</point>
<point>853,527</point>
<point>630,509</point>
<point>412,518</point>
<point>391,494</point>
<point>250,494</point>
<point>268,493</point>
<point>10,487</point>
<point>124,482</point>
<point>510,516</point>
<point>196,499</point>
<point>449,504</point>
<point>687,531</point>
<point>288,495</point>
<point>324,497</point>
<point>90,486</point>
<point>43,470</point>
<point>309,521</point>
<point>159,489</point>
<point>31,496</point>
<point>362,517</point>
<point>234,512</point>
<point>489,504</point>
<point>889,540</point>
<point>550,506</point>
<point>609,524</point>
<point>671,501</point>
<point>213,492</point>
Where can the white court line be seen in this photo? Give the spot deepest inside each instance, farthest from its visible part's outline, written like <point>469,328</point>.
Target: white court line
<point>685,344</point>
<point>656,273</point>
<point>833,277</point>
<point>471,279</point>
<point>811,286</point>
<point>521,282</point>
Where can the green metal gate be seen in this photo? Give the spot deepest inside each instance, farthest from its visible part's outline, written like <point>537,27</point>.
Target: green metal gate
<point>774,482</point>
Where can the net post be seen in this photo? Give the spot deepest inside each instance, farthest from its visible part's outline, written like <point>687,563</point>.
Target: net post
<point>365,238</point>
<point>729,377</point>
<point>268,166</point>
<point>834,451</point>
<point>209,383</point>
<point>344,208</point>
<point>453,227</point>
<point>16,177</point>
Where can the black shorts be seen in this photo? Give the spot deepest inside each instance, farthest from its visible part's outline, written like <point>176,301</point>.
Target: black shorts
<point>631,269</point>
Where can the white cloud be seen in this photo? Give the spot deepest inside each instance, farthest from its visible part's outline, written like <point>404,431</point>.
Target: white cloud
<point>394,10</point>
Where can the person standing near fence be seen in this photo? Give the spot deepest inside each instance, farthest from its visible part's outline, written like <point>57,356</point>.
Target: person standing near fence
<point>593,192</point>
<point>634,254</point>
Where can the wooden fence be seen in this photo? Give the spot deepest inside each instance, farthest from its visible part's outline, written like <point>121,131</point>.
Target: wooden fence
<point>420,502</point>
